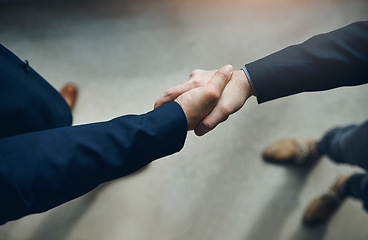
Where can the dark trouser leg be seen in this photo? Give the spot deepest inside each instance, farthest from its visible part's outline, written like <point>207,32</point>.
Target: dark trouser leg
<point>349,145</point>
<point>357,186</point>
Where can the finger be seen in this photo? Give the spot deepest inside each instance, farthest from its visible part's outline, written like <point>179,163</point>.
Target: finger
<point>172,93</point>
<point>211,121</point>
<point>220,79</point>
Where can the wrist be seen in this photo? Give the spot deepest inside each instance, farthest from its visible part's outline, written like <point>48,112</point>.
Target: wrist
<point>242,78</point>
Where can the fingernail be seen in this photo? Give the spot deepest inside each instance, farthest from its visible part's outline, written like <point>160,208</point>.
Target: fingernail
<point>229,68</point>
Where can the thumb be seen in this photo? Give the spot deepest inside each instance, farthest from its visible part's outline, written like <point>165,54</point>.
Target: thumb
<point>221,78</point>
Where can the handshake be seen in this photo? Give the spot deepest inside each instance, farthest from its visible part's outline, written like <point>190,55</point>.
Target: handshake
<point>209,97</point>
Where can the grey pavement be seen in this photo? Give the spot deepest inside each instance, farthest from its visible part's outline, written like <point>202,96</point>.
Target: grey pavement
<point>124,54</point>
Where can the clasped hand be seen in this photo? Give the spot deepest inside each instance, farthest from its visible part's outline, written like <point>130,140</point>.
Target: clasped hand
<point>209,97</point>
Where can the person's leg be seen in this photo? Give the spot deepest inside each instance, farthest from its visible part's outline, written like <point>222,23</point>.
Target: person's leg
<point>322,207</point>
<point>346,145</point>
<point>356,186</point>
<point>343,145</point>
<point>28,102</point>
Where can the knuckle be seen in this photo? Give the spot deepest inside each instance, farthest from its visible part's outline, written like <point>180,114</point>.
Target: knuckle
<point>222,74</point>
<point>170,92</point>
<point>213,92</point>
<point>196,83</point>
<point>194,73</point>
<point>208,124</point>
<point>226,109</point>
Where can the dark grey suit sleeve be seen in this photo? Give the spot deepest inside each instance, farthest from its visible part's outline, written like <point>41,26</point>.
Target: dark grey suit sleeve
<point>335,59</point>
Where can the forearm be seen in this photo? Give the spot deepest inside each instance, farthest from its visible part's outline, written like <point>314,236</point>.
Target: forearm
<point>42,170</point>
<point>326,61</point>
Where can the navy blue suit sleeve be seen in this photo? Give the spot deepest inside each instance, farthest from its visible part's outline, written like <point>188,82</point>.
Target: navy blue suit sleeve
<point>326,61</point>
<point>41,170</point>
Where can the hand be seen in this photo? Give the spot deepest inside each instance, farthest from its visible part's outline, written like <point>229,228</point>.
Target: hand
<point>198,102</point>
<point>237,91</point>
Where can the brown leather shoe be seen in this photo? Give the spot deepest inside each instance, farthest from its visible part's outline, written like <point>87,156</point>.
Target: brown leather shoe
<point>322,208</point>
<point>69,93</point>
<point>291,151</point>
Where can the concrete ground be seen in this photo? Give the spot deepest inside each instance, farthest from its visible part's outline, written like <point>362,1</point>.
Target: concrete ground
<point>124,54</point>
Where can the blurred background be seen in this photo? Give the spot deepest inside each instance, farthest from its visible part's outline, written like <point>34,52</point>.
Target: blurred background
<point>124,54</point>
